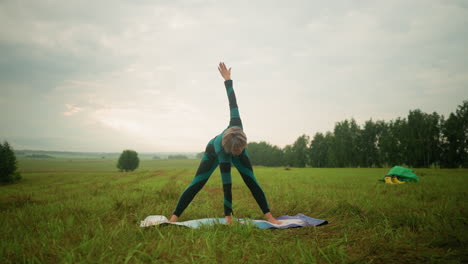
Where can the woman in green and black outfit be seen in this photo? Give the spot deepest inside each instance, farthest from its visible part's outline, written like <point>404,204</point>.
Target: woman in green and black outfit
<point>224,149</point>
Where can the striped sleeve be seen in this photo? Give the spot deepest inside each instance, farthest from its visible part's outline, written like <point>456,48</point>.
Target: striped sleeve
<point>233,109</point>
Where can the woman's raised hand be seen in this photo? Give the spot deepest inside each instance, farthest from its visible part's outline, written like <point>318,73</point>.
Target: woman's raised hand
<point>224,71</point>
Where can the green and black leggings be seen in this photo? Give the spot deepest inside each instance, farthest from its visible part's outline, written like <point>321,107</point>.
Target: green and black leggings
<point>214,156</point>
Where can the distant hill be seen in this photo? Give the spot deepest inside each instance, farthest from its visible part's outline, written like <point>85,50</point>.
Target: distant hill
<point>46,154</point>
<point>177,157</point>
<point>39,156</point>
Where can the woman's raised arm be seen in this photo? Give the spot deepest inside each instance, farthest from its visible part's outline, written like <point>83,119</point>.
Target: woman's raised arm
<point>233,109</point>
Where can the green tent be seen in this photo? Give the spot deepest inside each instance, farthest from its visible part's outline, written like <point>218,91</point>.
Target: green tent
<point>403,174</point>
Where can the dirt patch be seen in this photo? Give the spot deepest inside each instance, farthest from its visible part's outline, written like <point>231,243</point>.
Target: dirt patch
<point>175,176</point>
<point>18,201</point>
<point>137,179</point>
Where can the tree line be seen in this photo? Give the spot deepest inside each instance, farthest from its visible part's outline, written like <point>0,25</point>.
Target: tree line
<point>419,140</point>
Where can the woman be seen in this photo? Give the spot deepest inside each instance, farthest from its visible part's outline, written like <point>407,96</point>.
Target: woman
<point>226,148</point>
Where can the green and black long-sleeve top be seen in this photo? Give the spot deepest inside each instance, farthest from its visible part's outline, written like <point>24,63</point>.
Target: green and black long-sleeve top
<point>235,120</point>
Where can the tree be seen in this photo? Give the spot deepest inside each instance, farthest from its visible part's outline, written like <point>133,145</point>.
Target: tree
<point>318,151</point>
<point>455,138</point>
<point>288,157</point>
<point>451,141</point>
<point>128,160</point>
<point>8,165</point>
<point>368,141</point>
<point>346,147</point>
<point>299,152</point>
<point>264,154</point>
<point>331,156</point>
<point>422,135</point>
<point>462,114</point>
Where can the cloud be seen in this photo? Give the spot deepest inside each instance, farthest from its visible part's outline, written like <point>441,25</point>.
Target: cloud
<point>72,110</point>
<point>145,73</point>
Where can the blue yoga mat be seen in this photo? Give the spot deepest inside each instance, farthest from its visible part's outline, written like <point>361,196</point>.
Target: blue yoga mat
<point>287,221</point>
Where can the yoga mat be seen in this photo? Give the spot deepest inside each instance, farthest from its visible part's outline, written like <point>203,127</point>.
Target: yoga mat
<point>298,220</point>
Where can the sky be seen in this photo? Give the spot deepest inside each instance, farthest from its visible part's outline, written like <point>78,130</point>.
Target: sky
<point>103,76</point>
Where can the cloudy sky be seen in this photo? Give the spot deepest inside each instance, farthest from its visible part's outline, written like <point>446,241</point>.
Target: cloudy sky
<point>108,75</point>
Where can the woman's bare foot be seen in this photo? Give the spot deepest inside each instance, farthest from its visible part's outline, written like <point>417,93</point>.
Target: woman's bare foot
<point>228,219</point>
<point>271,219</point>
<point>174,218</point>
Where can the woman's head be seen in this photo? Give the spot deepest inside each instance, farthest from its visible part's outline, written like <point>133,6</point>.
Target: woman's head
<point>234,140</point>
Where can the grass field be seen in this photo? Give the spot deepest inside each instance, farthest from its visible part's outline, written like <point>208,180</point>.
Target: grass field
<point>84,211</point>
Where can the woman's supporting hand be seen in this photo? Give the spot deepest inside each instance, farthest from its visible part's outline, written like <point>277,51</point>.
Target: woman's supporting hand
<point>224,71</point>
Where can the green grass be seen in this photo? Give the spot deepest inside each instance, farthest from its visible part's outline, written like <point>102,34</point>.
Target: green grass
<point>69,211</point>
